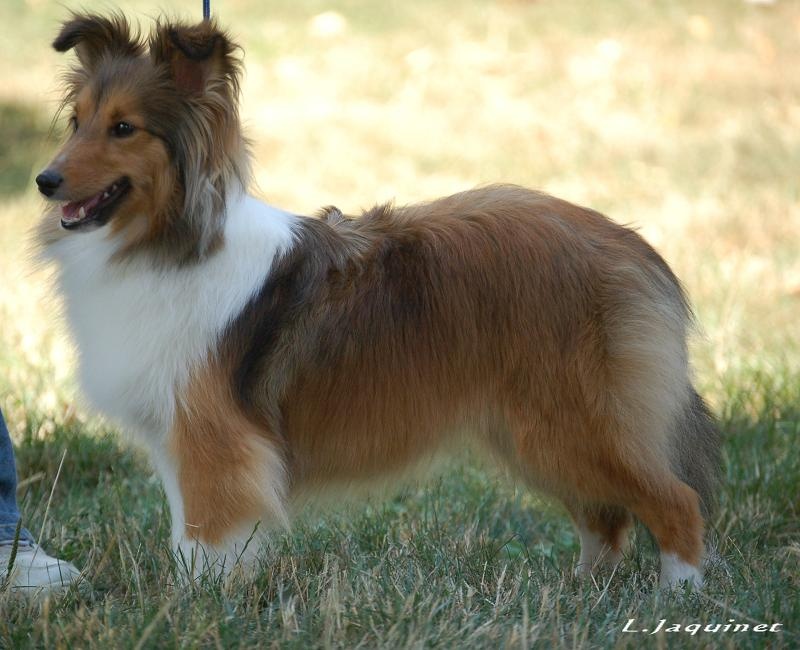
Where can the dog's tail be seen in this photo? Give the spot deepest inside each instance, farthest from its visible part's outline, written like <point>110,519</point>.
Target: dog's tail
<point>698,458</point>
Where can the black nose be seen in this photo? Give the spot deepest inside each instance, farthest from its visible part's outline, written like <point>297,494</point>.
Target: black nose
<point>48,182</point>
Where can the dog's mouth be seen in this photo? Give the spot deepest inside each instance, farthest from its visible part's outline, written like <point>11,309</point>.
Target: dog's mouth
<point>95,210</point>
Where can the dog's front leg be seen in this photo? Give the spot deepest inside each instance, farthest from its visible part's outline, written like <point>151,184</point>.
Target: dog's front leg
<point>190,554</point>
<point>225,483</point>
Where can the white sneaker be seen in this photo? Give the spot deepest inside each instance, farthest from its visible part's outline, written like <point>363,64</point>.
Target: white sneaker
<point>34,572</point>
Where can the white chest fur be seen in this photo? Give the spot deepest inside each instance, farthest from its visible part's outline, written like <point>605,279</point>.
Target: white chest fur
<point>140,331</point>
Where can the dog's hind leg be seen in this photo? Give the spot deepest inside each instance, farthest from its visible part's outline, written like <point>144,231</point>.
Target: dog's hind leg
<point>666,505</point>
<point>603,531</point>
<point>621,472</point>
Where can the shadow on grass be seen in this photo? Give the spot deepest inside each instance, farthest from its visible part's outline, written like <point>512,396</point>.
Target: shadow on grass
<point>72,476</point>
<point>83,494</point>
<point>23,133</point>
<point>88,458</point>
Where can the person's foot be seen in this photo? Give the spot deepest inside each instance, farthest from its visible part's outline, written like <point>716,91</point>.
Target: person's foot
<point>34,572</point>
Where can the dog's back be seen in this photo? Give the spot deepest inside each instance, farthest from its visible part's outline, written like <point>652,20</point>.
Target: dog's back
<point>552,335</point>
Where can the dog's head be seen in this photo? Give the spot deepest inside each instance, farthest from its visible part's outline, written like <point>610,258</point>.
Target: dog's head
<point>154,132</point>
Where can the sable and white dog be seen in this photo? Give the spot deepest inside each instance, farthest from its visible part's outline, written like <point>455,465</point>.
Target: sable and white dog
<point>259,354</point>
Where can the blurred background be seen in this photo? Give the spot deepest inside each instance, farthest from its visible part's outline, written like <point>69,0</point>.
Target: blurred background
<point>680,118</point>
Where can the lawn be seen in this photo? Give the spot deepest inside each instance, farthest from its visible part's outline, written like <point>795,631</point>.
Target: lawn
<point>680,118</point>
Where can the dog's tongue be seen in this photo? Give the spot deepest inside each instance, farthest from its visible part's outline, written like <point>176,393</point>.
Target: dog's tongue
<point>72,211</point>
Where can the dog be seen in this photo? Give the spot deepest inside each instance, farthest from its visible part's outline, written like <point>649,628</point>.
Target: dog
<point>259,354</point>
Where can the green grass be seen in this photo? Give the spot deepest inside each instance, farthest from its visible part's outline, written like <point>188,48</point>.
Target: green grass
<point>678,117</point>
<point>466,561</point>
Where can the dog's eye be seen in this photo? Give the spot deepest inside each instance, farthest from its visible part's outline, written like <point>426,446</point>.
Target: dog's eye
<point>73,122</point>
<point>122,129</point>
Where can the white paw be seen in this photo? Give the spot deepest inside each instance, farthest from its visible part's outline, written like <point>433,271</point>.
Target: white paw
<point>195,560</point>
<point>676,573</point>
<point>239,555</point>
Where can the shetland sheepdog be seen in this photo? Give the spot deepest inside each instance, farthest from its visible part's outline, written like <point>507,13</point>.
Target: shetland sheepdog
<point>258,354</point>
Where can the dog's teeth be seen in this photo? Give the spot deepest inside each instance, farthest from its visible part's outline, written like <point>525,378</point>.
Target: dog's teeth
<point>82,213</point>
<point>105,195</point>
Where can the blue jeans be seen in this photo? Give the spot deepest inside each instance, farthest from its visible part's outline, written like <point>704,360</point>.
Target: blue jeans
<point>9,513</point>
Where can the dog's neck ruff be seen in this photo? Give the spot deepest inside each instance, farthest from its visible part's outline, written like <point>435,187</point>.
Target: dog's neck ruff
<point>141,330</point>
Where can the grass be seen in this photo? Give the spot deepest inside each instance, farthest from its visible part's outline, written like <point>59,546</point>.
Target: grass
<point>680,118</point>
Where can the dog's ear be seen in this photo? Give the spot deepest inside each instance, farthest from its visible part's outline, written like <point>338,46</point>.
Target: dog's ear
<point>92,36</point>
<point>196,55</point>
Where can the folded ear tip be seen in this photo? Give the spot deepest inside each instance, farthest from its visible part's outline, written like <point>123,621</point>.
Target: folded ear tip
<point>62,44</point>
<point>113,32</point>
<point>194,54</point>
<point>197,42</point>
<point>70,33</point>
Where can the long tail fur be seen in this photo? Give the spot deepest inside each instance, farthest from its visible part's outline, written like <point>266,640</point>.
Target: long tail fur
<point>698,446</point>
